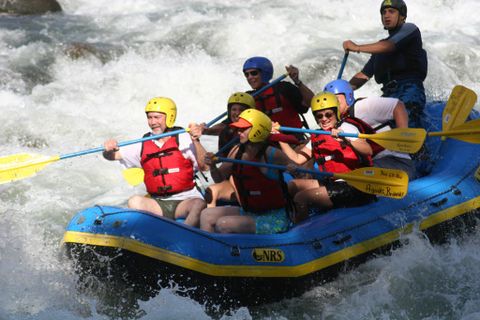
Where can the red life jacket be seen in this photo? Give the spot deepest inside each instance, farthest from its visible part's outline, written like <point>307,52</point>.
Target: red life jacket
<point>335,156</point>
<point>278,108</point>
<point>257,192</point>
<point>166,170</point>
<point>363,127</point>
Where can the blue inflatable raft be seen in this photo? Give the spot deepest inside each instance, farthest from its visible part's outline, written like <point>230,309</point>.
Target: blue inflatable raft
<point>151,252</point>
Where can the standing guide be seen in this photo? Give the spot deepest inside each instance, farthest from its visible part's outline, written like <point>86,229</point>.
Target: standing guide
<point>398,63</point>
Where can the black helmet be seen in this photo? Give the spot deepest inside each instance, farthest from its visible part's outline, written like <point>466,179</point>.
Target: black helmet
<point>396,4</point>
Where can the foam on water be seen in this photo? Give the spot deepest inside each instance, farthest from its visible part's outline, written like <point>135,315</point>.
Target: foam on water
<point>70,81</point>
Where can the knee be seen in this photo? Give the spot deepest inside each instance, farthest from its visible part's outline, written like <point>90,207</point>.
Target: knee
<point>292,188</point>
<point>207,219</point>
<point>135,202</point>
<point>301,198</point>
<point>224,225</point>
<point>199,204</point>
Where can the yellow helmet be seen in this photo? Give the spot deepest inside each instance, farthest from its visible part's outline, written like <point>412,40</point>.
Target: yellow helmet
<point>259,121</point>
<point>242,98</point>
<point>325,100</point>
<point>163,105</point>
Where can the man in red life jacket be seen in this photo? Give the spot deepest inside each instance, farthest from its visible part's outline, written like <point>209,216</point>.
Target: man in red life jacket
<point>284,102</point>
<point>169,164</point>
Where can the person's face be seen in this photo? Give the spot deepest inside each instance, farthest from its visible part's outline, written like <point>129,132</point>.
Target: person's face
<point>253,77</point>
<point>326,119</point>
<point>243,134</point>
<point>391,18</point>
<point>156,122</point>
<point>343,102</point>
<point>235,110</point>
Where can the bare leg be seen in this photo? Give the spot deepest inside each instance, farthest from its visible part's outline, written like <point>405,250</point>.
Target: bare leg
<point>146,204</point>
<point>209,216</point>
<point>316,197</point>
<point>190,209</point>
<point>297,185</point>
<point>223,190</point>
<point>235,224</point>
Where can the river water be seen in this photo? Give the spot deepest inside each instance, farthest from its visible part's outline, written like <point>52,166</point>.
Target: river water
<point>69,81</point>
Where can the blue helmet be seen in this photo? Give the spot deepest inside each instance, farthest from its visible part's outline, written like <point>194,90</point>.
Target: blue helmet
<point>341,86</point>
<point>261,63</point>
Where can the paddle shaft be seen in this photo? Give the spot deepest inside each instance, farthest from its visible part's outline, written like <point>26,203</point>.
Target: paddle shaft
<point>302,130</point>
<point>344,62</point>
<point>121,144</point>
<point>273,166</point>
<point>454,132</point>
<point>256,93</point>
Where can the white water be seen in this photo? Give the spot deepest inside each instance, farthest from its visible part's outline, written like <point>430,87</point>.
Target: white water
<point>193,51</point>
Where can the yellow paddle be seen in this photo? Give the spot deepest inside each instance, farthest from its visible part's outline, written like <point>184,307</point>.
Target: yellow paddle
<point>379,181</point>
<point>23,165</point>
<point>468,132</point>
<point>408,140</point>
<point>458,107</point>
<point>133,176</point>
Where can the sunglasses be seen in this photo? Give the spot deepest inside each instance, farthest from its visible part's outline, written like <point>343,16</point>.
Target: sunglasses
<point>327,115</point>
<point>251,73</point>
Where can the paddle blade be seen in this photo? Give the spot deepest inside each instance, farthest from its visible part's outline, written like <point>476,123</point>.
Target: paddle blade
<point>389,183</point>
<point>468,132</point>
<point>458,107</point>
<point>22,165</point>
<point>407,140</point>
<point>133,176</point>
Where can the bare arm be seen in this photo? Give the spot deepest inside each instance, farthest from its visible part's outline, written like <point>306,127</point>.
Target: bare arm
<point>307,94</point>
<point>400,115</point>
<point>213,130</point>
<point>382,46</point>
<point>195,133</point>
<point>111,150</point>
<point>362,146</point>
<point>223,172</point>
<point>218,174</point>
<point>358,80</point>
<point>300,157</point>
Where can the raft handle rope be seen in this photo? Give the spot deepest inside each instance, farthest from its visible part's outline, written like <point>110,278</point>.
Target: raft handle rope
<point>454,189</point>
<point>316,242</point>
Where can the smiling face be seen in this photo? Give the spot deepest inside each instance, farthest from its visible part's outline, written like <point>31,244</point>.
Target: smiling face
<point>326,119</point>
<point>235,110</point>
<point>156,122</point>
<point>254,78</point>
<point>391,18</point>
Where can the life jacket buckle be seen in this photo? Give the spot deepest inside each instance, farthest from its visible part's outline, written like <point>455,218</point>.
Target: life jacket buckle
<point>164,188</point>
<point>158,172</point>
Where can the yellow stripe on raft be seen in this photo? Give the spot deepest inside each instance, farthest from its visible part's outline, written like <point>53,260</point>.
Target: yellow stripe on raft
<point>263,270</point>
<point>450,213</point>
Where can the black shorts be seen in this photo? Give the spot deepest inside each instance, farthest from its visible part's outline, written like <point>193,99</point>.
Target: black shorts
<point>343,195</point>
<point>168,207</point>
